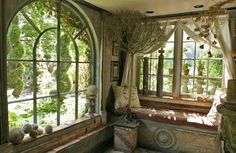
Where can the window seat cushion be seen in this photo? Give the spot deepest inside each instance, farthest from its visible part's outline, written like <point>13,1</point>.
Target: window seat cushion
<point>176,117</point>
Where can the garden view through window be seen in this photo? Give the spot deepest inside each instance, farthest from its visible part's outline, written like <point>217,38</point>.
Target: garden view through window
<point>50,62</point>
<point>204,69</point>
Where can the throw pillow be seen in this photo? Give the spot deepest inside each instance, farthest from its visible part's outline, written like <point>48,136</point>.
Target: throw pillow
<point>122,97</point>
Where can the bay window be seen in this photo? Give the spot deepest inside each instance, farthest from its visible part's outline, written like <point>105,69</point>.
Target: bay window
<point>190,69</point>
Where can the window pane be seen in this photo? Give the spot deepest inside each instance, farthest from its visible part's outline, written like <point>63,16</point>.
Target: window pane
<point>167,86</point>
<point>214,84</point>
<point>188,67</point>
<point>20,114</point>
<point>19,80</point>
<point>201,52</point>
<point>153,65</point>
<point>215,68</point>
<point>200,86</point>
<point>46,78</point>
<point>84,49</point>
<point>188,50</point>
<point>68,109</point>
<point>169,50</point>
<point>141,82</point>
<point>20,42</point>
<point>47,111</point>
<point>141,74</point>
<point>201,68</point>
<point>66,77</point>
<point>67,48</point>
<point>46,50</point>
<point>82,104</point>
<point>168,67</point>
<point>187,85</point>
<point>44,17</point>
<point>152,82</point>
<point>85,75</point>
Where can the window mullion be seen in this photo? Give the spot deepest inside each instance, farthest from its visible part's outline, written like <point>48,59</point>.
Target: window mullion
<point>4,129</point>
<point>76,80</point>
<point>58,60</point>
<point>178,45</point>
<point>194,65</point>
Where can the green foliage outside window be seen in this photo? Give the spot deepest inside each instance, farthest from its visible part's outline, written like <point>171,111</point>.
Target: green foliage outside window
<point>21,39</point>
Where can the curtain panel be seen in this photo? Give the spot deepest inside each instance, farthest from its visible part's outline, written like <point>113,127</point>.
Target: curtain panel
<point>221,29</point>
<point>167,32</point>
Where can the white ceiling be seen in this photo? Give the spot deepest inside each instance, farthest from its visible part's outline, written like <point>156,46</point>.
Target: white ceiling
<point>160,7</point>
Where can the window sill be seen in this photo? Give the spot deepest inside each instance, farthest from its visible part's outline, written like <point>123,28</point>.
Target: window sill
<point>181,101</point>
<point>61,135</point>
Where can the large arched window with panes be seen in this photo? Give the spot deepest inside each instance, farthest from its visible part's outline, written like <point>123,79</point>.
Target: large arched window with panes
<point>50,62</point>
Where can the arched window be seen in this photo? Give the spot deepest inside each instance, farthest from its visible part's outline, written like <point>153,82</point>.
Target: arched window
<point>50,61</point>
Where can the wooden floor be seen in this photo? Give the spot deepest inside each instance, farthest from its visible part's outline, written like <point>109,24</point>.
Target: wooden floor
<point>138,150</point>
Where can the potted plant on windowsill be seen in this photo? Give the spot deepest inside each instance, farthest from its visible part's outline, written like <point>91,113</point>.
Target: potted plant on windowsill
<point>200,67</point>
<point>186,67</point>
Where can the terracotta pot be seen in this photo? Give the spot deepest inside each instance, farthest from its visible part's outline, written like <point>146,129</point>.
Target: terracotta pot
<point>200,73</point>
<point>186,71</point>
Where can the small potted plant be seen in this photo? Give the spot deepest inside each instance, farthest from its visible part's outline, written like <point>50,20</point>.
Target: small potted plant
<point>186,68</point>
<point>200,67</point>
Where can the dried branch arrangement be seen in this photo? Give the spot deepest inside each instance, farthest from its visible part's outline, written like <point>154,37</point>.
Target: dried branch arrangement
<point>134,32</point>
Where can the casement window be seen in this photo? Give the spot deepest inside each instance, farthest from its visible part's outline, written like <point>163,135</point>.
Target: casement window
<point>50,61</point>
<point>204,76</point>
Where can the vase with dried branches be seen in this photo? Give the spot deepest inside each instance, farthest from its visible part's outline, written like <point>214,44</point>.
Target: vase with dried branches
<point>136,34</point>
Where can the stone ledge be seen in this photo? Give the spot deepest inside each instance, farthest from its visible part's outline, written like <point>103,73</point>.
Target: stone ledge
<point>60,136</point>
<point>6,148</point>
<point>170,100</point>
<point>97,137</point>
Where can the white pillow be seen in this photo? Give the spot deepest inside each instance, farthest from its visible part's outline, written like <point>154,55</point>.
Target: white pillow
<point>122,97</point>
<point>213,114</point>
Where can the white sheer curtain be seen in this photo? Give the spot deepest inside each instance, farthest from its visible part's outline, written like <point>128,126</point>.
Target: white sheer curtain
<point>223,36</point>
<point>221,29</point>
<point>188,29</point>
<point>169,30</point>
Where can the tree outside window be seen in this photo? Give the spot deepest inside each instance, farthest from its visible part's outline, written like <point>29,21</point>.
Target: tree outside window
<point>49,64</point>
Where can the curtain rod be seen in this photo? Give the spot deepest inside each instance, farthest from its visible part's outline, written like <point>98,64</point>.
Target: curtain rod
<point>180,16</point>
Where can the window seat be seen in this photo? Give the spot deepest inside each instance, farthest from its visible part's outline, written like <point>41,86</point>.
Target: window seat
<point>176,117</point>
<point>153,111</point>
<point>175,129</point>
